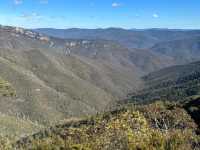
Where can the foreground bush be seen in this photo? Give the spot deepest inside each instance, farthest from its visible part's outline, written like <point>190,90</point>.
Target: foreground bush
<point>126,129</point>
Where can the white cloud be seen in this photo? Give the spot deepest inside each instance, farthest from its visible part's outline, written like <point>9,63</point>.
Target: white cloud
<point>18,2</point>
<point>31,16</point>
<point>155,15</point>
<point>137,15</point>
<point>114,5</point>
<point>44,1</point>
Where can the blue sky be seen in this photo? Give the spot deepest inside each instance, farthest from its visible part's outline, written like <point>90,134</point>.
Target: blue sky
<point>183,14</point>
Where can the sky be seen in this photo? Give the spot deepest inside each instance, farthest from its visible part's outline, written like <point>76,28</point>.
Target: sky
<point>175,14</point>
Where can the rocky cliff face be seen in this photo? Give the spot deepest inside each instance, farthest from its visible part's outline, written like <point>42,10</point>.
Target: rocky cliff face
<point>17,31</point>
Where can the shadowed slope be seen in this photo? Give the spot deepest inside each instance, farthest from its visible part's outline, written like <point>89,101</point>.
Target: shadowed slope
<point>173,83</point>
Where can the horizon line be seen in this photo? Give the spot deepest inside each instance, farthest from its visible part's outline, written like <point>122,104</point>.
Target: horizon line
<point>104,28</point>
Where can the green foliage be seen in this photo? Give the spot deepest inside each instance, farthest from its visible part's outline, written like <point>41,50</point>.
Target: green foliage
<point>167,115</point>
<point>193,108</point>
<point>172,84</point>
<point>6,89</point>
<point>130,128</point>
<point>5,143</point>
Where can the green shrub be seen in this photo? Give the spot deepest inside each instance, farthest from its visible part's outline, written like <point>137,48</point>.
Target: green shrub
<point>125,129</point>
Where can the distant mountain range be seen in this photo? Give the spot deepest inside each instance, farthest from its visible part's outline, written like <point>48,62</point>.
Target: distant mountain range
<point>53,79</point>
<point>59,78</point>
<point>129,38</point>
<point>179,46</point>
<point>53,76</point>
<point>183,50</point>
<point>83,71</point>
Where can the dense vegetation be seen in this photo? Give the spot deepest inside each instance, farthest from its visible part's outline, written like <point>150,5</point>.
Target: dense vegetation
<point>161,125</point>
<point>175,84</point>
<point>180,84</point>
<point>46,79</point>
<point>6,89</point>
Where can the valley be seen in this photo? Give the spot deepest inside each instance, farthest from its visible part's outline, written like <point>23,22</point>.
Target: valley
<point>97,83</point>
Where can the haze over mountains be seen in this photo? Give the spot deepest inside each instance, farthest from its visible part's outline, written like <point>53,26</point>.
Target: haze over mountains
<point>182,50</point>
<point>47,80</point>
<point>99,75</point>
<point>46,76</point>
<point>145,38</point>
<point>81,72</point>
<point>179,45</point>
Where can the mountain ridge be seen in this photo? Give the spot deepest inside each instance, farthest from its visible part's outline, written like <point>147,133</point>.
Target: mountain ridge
<point>176,83</point>
<point>130,38</point>
<point>49,80</point>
